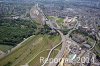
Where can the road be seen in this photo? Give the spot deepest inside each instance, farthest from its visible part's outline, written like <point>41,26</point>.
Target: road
<point>60,54</point>
<point>54,26</point>
<point>50,53</point>
<point>97,31</point>
<point>51,25</point>
<point>64,44</point>
<point>40,53</point>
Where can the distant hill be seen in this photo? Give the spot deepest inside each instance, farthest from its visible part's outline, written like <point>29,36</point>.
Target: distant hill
<point>87,3</point>
<point>30,1</point>
<point>85,0</point>
<point>17,1</point>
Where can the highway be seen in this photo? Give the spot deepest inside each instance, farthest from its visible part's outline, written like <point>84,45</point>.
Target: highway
<point>97,31</point>
<point>64,44</point>
<point>54,26</point>
<point>65,38</point>
<point>51,25</point>
<point>50,53</point>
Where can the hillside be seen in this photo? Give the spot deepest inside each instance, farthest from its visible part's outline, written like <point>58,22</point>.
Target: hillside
<point>30,49</point>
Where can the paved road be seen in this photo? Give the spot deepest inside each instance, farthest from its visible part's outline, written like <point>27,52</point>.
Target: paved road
<point>60,54</point>
<point>97,31</point>
<point>50,53</point>
<point>51,25</point>
<point>54,26</point>
<point>64,45</point>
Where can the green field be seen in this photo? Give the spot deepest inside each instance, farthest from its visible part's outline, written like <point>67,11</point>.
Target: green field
<point>60,21</point>
<point>55,18</point>
<point>36,61</point>
<point>30,49</point>
<point>51,17</point>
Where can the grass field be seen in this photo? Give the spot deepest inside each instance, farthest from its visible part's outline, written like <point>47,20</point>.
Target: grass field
<point>56,18</point>
<point>36,60</point>
<point>60,21</point>
<point>30,49</point>
<point>44,54</point>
